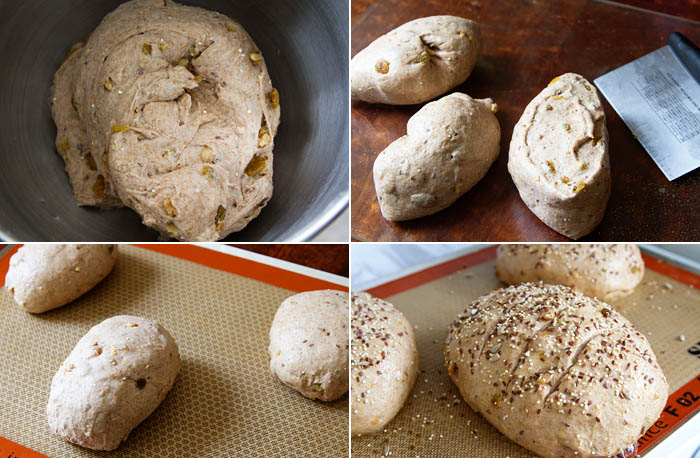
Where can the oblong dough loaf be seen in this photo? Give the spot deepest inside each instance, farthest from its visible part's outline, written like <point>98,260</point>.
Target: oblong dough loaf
<point>47,276</point>
<point>559,156</point>
<point>597,270</point>
<point>309,344</point>
<point>416,62</point>
<point>114,378</point>
<point>449,146</point>
<point>561,374</point>
<point>384,363</point>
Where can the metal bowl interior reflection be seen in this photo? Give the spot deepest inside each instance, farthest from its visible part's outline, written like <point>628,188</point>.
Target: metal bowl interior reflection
<point>305,44</point>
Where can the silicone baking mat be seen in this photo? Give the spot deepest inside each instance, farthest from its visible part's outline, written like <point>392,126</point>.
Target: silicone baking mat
<point>225,402</point>
<point>436,422</point>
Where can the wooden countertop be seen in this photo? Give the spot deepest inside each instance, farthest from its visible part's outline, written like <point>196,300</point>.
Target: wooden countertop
<point>526,44</point>
<point>327,257</point>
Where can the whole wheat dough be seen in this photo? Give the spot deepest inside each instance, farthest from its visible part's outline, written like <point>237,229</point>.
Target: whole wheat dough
<point>416,62</point>
<point>44,277</point>
<point>561,374</point>
<point>309,344</point>
<point>169,110</point>
<point>448,147</point>
<point>605,271</point>
<point>383,363</point>
<point>115,377</point>
<point>559,159</point>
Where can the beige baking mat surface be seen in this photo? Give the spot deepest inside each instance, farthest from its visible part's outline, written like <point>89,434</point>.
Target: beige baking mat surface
<point>225,402</point>
<point>436,422</point>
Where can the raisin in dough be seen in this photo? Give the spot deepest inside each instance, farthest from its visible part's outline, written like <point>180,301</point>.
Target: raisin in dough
<point>169,110</point>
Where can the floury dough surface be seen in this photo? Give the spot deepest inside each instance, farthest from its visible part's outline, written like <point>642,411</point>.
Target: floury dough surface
<point>169,110</point>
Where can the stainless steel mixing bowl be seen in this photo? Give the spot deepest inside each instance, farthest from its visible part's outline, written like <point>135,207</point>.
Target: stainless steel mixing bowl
<point>305,44</point>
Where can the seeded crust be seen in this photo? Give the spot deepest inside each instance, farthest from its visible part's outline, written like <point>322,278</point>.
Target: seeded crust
<point>383,365</point>
<point>309,344</point>
<point>115,377</point>
<point>44,277</point>
<point>169,110</point>
<point>449,146</point>
<point>604,271</point>
<point>416,62</point>
<point>558,156</point>
<point>561,374</point>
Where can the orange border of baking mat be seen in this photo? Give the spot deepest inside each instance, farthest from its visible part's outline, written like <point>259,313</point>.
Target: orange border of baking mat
<point>667,422</point>
<point>234,264</point>
<point>9,449</point>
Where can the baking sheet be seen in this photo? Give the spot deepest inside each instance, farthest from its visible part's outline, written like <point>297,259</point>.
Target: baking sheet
<point>225,402</point>
<point>436,422</point>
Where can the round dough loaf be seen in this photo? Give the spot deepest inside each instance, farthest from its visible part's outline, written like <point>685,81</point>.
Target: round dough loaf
<point>309,344</point>
<point>384,363</point>
<point>559,159</point>
<point>169,110</point>
<point>561,374</point>
<point>416,62</point>
<point>598,270</point>
<point>44,277</point>
<point>114,378</point>
<point>449,146</point>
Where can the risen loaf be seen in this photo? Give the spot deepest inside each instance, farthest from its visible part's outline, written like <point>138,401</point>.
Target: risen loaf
<point>605,271</point>
<point>383,364</point>
<point>561,374</point>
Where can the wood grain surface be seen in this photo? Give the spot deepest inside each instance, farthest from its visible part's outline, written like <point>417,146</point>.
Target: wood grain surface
<point>327,257</point>
<point>526,44</point>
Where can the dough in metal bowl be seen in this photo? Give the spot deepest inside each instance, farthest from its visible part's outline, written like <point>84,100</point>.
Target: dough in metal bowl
<point>169,110</point>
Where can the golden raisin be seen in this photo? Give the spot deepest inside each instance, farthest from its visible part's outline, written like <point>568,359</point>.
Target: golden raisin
<point>219,219</point>
<point>255,166</point>
<point>564,180</point>
<point>264,137</point>
<point>274,98</point>
<point>109,85</point>
<point>549,107</point>
<point>567,127</point>
<point>423,57</point>
<point>207,154</point>
<point>551,166</point>
<point>183,62</point>
<point>147,49</point>
<point>163,46</point>
<point>256,58</point>
<point>168,204</point>
<point>207,171</point>
<point>65,145</point>
<point>99,187</point>
<point>382,67</point>
<point>172,230</point>
<point>121,128</point>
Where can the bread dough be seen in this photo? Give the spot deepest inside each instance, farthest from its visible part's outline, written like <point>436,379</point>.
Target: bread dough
<point>561,374</point>
<point>309,344</point>
<point>115,377</point>
<point>169,110</point>
<point>46,276</point>
<point>419,60</point>
<point>449,146</point>
<point>558,156</point>
<point>605,271</point>
<point>384,363</point>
